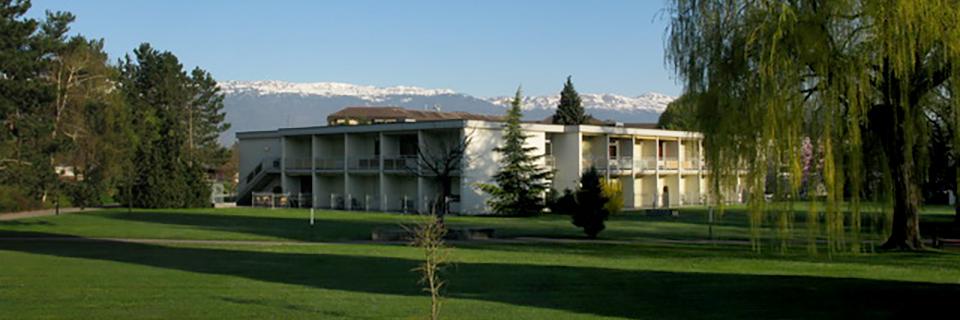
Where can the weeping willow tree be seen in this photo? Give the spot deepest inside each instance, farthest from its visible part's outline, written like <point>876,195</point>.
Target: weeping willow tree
<point>854,77</point>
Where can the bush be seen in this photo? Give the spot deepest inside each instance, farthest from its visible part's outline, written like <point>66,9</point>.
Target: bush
<point>613,191</point>
<point>13,200</point>
<point>591,209</point>
<point>566,204</point>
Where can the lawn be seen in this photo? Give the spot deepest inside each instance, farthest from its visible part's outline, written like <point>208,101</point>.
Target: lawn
<point>326,272</point>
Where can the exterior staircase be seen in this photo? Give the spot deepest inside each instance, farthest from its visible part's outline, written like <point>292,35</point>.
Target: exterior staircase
<point>262,174</point>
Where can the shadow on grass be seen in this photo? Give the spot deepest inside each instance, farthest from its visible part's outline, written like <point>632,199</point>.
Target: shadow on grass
<point>278,227</point>
<point>586,290</point>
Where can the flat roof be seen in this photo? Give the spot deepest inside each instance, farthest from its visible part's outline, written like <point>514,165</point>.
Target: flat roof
<point>460,123</point>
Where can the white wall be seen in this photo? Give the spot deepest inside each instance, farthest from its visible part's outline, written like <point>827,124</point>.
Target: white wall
<point>481,166</point>
<point>566,151</point>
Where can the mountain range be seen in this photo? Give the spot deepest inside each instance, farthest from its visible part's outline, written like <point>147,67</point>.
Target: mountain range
<point>268,105</point>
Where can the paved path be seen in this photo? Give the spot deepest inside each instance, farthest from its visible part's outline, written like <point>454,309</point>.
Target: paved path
<point>38,213</point>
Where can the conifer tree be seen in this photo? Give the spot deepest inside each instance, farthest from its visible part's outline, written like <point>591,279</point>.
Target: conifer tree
<point>591,209</point>
<point>570,110</point>
<point>521,183</point>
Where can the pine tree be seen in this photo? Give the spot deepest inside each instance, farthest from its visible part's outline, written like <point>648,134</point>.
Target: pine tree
<point>570,110</point>
<point>521,183</point>
<point>591,209</point>
<point>176,118</point>
<point>205,120</point>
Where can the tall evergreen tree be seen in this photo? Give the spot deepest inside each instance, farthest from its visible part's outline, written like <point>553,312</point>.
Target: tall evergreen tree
<point>521,183</point>
<point>591,211</point>
<point>26,52</point>
<point>205,120</point>
<point>570,110</point>
<point>169,158</point>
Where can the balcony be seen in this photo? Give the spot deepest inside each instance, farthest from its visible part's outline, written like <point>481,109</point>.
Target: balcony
<point>364,163</point>
<point>328,164</point>
<point>549,162</point>
<point>669,163</point>
<point>400,163</point>
<point>620,164</point>
<point>645,163</point>
<point>691,164</point>
<point>297,163</point>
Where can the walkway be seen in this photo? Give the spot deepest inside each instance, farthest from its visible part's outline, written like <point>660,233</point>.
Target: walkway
<point>37,213</point>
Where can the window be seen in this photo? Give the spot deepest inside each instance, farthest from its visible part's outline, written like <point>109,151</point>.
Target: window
<point>548,148</point>
<point>613,151</point>
<point>376,146</point>
<point>408,145</point>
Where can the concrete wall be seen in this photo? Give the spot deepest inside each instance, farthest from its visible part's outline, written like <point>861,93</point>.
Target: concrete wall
<point>567,151</point>
<point>482,165</point>
<point>253,151</point>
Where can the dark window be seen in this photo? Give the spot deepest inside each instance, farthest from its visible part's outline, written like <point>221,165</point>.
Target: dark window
<point>408,145</point>
<point>612,151</point>
<point>548,148</point>
<point>376,146</point>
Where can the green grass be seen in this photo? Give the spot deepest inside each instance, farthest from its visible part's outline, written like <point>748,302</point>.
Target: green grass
<point>631,277</point>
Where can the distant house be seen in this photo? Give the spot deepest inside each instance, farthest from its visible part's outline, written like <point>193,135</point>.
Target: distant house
<point>362,159</point>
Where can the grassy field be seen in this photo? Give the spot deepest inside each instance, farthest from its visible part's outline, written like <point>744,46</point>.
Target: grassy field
<point>326,271</point>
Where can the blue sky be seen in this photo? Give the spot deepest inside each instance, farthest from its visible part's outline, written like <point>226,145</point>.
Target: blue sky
<point>483,48</point>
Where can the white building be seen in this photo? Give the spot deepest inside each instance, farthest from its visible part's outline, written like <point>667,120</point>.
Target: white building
<point>367,157</point>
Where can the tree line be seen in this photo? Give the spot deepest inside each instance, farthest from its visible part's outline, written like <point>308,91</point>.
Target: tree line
<point>80,129</point>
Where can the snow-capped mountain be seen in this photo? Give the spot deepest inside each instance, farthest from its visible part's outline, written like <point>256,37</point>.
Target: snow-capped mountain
<point>326,89</point>
<point>268,105</point>
<point>651,101</point>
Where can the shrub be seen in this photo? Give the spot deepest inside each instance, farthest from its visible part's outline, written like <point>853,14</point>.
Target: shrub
<point>565,204</point>
<point>591,209</point>
<point>13,200</point>
<point>613,191</point>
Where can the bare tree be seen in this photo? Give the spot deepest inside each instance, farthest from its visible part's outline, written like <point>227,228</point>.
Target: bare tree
<point>441,162</point>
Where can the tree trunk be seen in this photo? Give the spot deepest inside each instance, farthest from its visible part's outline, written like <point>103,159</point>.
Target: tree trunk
<point>887,121</point>
<point>905,234</point>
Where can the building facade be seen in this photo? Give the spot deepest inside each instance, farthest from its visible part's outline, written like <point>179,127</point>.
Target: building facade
<point>376,167</point>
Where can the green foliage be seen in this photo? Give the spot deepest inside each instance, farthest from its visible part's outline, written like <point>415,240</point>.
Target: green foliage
<point>591,209</point>
<point>27,51</point>
<point>428,236</point>
<point>174,115</point>
<point>14,200</point>
<point>855,77</point>
<point>565,204</point>
<point>612,190</point>
<point>570,110</point>
<point>680,114</point>
<point>521,183</point>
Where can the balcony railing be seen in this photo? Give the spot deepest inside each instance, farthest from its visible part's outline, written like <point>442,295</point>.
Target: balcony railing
<point>363,163</point>
<point>620,164</point>
<point>297,163</point>
<point>669,163</point>
<point>328,163</point>
<point>691,164</point>
<point>645,163</point>
<point>550,162</point>
<point>399,163</point>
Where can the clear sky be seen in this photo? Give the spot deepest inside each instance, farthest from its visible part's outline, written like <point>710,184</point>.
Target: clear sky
<point>483,48</point>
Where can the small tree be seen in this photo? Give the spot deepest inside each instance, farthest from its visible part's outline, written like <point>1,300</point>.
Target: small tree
<point>440,163</point>
<point>613,192</point>
<point>429,237</point>
<point>521,183</point>
<point>591,204</point>
<point>570,110</point>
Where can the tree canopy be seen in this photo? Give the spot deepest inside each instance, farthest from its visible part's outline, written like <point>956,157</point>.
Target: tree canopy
<point>570,110</point>
<point>521,183</point>
<point>857,78</point>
